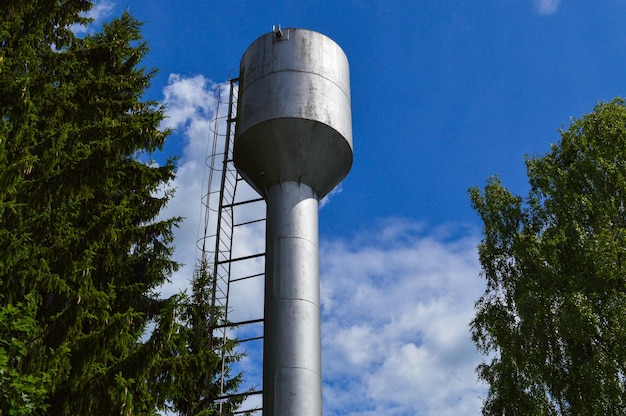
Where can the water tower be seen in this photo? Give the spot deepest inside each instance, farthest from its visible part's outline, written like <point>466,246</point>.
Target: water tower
<point>293,144</point>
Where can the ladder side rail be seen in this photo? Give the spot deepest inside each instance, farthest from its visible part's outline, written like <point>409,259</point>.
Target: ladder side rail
<point>223,249</point>
<point>226,200</point>
<point>214,277</point>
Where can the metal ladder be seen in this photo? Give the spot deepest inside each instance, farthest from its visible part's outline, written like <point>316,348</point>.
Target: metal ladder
<point>223,202</point>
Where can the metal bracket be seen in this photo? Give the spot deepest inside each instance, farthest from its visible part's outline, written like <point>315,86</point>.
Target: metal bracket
<point>279,34</point>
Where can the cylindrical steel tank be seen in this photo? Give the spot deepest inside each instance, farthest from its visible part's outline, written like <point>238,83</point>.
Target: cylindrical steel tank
<point>293,144</point>
<point>294,120</point>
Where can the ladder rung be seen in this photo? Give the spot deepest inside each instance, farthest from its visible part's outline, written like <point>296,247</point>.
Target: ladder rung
<point>249,339</point>
<point>241,412</point>
<point>232,396</point>
<point>247,277</point>
<point>233,324</point>
<point>249,222</point>
<point>241,258</point>
<point>234,204</point>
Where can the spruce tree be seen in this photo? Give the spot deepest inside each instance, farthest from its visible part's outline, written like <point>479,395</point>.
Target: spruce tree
<point>191,371</point>
<point>81,252</point>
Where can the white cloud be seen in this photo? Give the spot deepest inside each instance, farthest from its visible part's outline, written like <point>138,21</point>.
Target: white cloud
<point>396,298</point>
<point>191,104</point>
<point>187,102</point>
<point>335,191</point>
<point>99,12</point>
<point>547,7</point>
<point>396,311</point>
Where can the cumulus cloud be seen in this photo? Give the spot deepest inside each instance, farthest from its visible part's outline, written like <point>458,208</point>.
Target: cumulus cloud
<point>547,7</point>
<point>196,112</point>
<point>192,104</point>
<point>188,104</point>
<point>396,307</point>
<point>99,12</point>
<point>189,101</point>
<point>396,298</point>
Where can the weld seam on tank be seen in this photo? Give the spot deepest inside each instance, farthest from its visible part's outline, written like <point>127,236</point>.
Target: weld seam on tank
<point>303,72</point>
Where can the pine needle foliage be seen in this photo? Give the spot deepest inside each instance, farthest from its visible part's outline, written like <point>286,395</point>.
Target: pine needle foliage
<point>191,371</point>
<point>83,329</point>
<point>81,251</point>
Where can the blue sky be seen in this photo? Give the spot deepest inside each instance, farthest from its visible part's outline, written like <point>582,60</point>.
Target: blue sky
<point>445,93</point>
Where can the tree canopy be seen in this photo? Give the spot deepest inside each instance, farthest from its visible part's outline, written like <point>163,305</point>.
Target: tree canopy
<point>83,328</point>
<point>552,320</point>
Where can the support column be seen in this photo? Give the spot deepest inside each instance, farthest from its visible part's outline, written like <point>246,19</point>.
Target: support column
<point>292,363</point>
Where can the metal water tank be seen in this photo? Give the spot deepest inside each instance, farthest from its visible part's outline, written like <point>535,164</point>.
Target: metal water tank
<point>294,120</point>
<point>293,144</point>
